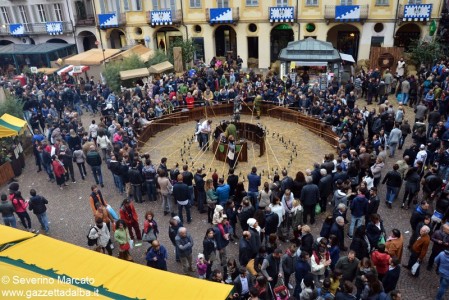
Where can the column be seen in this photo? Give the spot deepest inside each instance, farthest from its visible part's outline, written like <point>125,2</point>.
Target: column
<point>264,45</point>
<point>242,43</point>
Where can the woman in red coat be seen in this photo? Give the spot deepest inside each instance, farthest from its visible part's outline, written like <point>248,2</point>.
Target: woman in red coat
<point>381,260</point>
<point>190,100</point>
<point>59,170</point>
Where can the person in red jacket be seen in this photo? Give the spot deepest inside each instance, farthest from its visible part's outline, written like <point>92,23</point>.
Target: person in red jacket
<point>129,215</point>
<point>59,170</point>
<point>190,100</point>
<point>381,260</point>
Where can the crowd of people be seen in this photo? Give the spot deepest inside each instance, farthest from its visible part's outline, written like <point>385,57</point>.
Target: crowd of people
<point>353,257</point>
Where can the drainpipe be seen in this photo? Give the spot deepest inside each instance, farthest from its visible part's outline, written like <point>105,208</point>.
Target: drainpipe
<point>396,20</point>
<point>297,20</point>
<point>182,21</point>
<point>72,23</point>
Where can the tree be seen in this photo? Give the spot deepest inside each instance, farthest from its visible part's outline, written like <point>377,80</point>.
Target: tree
<point>11,106</point>
<point>426,51</point>
<point>158,57</point>
<point>188,49</point>
<point>112,70</point>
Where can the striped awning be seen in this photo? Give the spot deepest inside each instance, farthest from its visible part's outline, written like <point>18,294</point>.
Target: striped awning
<point>64,70</point>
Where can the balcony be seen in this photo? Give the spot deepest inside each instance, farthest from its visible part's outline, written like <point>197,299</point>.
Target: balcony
<point>164,17</point>
<point>346,13</point>
<point>41,28</point>
<point>111,20</point>
<point>88,20</point>
<point>222,15</point>
<point>414,12</point>
<point>36,28</point>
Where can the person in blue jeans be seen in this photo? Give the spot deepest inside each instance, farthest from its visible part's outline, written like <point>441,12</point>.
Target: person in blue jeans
<point>442,261</point>
<point>254,182</point>
<point>393,179</point>
<point>38,204</point>
<point>94,160</point>
<point>7,211</point>
<point>181,195</point>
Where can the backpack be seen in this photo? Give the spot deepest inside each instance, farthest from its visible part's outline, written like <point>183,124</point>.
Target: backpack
<point>91,242</point>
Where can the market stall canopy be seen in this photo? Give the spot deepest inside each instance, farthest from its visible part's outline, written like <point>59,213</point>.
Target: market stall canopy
<point>6,132</point>
<point>47,71</point>
<point>347,57</point>
<point>13,123</point>
<point>143,52</point>
<point>107,276</point>
<point>91,57</point>
<point>29,49</point>
<point>310,50</point>
<point>64,70</point>
<point>161,67</point>
<point>78,70</point>
<point>130,74</point>
<point>10,235</point>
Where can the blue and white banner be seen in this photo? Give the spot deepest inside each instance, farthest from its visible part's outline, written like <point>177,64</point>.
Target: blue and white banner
<point>282,14</point>
<point>17,29</point>
<point>220,15</point>
<point>54,28</point>
<point>161,17</point>
<point>108,20</point>
<point>417,12</point>
<point>347,13</point>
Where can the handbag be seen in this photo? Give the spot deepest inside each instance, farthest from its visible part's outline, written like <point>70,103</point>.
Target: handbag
<point>149,236</point>
<point>112,212</point>
<point>131,244</point>
<point>317,209</point>
<point>415,268</point>
<point>381,240</point>
<point>125,247</point>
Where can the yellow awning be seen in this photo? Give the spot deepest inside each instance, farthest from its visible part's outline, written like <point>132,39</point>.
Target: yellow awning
<point>130,74</point>
<point>161,67</point>
<point>108,276</point>
<point>13,123</point>
<point>143,52</point>
<point>47,71</point>
<point>91,57</point>
<point>6,132</point>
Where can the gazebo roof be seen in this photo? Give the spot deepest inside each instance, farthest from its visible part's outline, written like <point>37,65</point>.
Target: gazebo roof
<point>310,50</point>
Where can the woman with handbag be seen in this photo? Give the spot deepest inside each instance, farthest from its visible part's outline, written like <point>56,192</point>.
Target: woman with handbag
<point>211,199</point>
<point>150,230</point>
<point>122,238</point>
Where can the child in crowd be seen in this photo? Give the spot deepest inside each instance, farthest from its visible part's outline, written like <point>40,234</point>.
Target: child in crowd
<point>201,266</point>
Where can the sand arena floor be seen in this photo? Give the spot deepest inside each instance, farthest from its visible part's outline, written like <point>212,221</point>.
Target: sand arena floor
<point>281,141</point>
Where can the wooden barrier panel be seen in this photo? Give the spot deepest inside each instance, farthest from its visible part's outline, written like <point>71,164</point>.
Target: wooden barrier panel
<point>6,173</point>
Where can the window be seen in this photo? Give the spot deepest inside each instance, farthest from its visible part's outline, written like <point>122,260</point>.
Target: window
<point>5,15</point>
<point>252,2</point>
<point>137,5</point>
<point>58,11</point>
<point>345,2</point>
<point>414,1</point>
<point>382,2</point>
<point>126,5</point>
<point>42,14</point>
<point>164,4</point>
<point>111,6</point>
<point>23,14</point>
<point>311,2</point>
<point>195,3</point>
<point>281,2</point>
<point>222,3</point>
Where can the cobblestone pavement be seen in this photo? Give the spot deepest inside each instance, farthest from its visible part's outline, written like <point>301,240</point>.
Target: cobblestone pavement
<point>70,217</point>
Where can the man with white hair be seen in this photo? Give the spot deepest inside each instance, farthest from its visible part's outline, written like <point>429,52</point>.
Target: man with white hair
<point>184,245</point>
<point>338,229</point>
<point>419,248</point>
<point>421,156</point>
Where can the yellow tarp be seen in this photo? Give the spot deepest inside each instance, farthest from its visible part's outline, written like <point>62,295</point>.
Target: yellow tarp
<point>91,57</point>
<point>10,235</point>
<point>161,67</point>
<point>130,74</point>
<point>13,120</point>
<point>112,277</point>
<point>6,132</point>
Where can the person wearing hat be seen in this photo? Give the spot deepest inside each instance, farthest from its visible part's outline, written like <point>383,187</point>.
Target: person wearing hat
<point>255,241</point>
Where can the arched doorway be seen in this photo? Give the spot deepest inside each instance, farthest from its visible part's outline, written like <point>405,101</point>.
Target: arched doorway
<point>88,40</point>
<point>280,36</point>
<point>57,41</point>
<point>225,41</point>
<point>406,34</point>
<point>117,39</point>
<point>345,38</point>
<point>5,42</point>
<point>165,36</point>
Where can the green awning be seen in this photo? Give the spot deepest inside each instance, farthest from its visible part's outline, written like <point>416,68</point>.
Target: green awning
<point>10,126</point>
<point>283,27</point>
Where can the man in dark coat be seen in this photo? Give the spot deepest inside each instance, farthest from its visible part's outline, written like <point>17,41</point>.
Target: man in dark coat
<point>271,222</point>
<point>338,229</point>
<point>201,192</point>
<point>245,250</point>
<point>310,195</point>
<point>391,278</point>
<point>325,187</point>
<point>302,268</point>
<point>255,236</point>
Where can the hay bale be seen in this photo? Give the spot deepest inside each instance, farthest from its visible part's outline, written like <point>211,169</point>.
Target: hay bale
<point>275,66</point>
<point>253,62</point>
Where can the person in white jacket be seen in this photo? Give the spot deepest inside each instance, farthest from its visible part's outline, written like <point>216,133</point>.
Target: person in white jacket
<point>320,261</point>
<point>100,232</point>
<point>103,143</point>
<point>277,208</point>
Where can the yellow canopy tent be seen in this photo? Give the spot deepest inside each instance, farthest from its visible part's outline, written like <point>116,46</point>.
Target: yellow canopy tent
<point>13,123</point>
<point>160,68</point>
<point>47,71</point>
<point>135,73</point>
<point>103,275</point>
